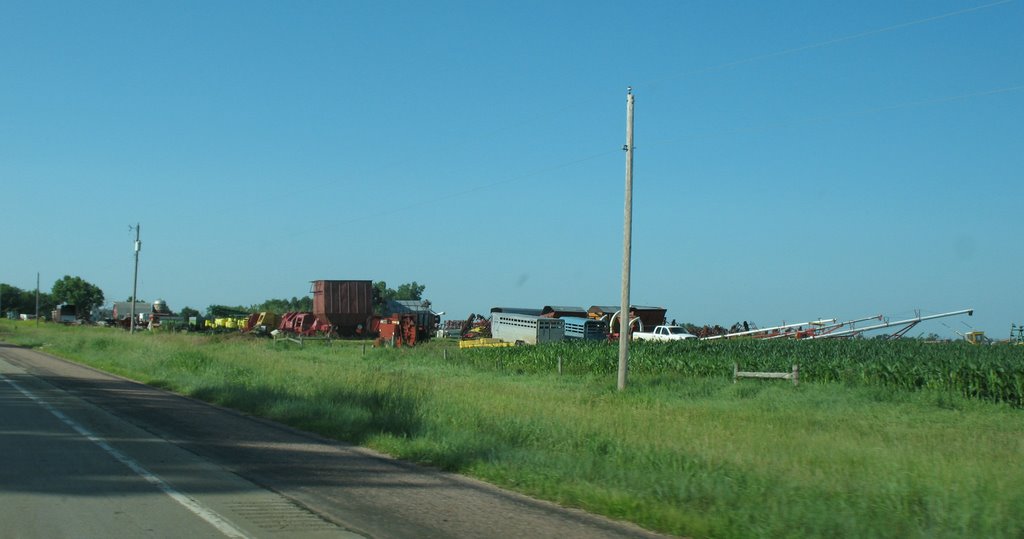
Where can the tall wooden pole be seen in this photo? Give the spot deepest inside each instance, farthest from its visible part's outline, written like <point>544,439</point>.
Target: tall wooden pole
<point>627,246</point>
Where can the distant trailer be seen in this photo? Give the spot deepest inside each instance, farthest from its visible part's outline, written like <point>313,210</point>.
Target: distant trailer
<point>65,314</point>
<point>530,329</point>
<point>587,329</point>
<point>517,310</point>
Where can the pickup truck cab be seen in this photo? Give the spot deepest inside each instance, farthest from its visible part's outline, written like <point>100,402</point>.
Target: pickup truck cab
<point>663,333</point>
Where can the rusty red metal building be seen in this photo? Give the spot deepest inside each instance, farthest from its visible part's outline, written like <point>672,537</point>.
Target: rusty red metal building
<point>347,305</point>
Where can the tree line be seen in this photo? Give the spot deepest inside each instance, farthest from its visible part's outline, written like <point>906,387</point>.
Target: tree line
<point>85,296</point>
<point>382,293</point>
<point>67,290</point>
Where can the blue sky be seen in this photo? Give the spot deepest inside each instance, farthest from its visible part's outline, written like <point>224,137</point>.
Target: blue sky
<point>794,160</point>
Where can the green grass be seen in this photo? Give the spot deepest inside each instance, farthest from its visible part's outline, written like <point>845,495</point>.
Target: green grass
<point>688,455</point>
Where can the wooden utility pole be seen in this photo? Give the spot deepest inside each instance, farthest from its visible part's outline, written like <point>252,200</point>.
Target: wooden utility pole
<point>627,246</point>
<point>135,279</point>
<point>37,298</point>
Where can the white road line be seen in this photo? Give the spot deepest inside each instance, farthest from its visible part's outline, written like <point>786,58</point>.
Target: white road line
<point>201,511</point>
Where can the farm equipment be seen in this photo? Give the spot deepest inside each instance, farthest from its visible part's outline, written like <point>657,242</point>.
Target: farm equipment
<point>225,323</point>
<point>830,328</point>
<point>639,316</point>
<point>424,318</point>
<point>261,323</point>
<point>476,327</point>
<point>303,324</point>
<point>976,337</point>
<point>451,328</point>
<point>819,329</point>
<point>907,324</point>
<point>397,330</point>
<point>797,331</point>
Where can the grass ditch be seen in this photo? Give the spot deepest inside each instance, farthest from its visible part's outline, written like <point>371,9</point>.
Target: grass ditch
<point>695,456</point>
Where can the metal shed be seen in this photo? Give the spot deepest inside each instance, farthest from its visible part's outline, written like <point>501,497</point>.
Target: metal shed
<point>344,304</point>
<point>425,316</point>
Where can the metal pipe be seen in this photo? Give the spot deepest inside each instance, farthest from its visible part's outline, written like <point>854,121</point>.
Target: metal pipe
<point>822,331</point>
<point>763,330</point>
<point>916,320</point>
<point>829,330</point>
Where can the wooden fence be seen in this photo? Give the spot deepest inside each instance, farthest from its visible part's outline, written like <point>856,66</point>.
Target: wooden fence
<point>794,375</point>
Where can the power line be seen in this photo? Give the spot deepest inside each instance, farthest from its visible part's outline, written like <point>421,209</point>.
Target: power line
<point>768,127</point>
<point>847,114</point>
<point>821,44</point>
<point>826,43</point>
<point>483,186</point>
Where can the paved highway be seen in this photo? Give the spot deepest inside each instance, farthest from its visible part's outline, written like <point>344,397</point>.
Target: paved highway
<point>87,454</point>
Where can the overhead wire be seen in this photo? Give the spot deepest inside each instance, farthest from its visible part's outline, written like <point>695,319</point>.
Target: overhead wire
<point>489,185</point>
<point>742,130</point>
<point>839,115</point>
<point>826,43</point>
<point>708,69</point>
<point>726,65</point>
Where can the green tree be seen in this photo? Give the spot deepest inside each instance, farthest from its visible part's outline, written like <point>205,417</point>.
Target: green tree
<point>24,301</point>
<point>411,290</point>
<point>221,311</point>
<point>281,306</point>
<point>382,294</point>
<point>187,312</point>
<point>78,292</point>
<point>10,298</point>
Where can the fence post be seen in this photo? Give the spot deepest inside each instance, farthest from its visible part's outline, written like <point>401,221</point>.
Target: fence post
<point>559,365</point>
<point>796,375</point>
<point>735,372</point>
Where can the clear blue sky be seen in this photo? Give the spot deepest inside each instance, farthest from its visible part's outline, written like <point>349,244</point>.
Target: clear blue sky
<point>794,160</point>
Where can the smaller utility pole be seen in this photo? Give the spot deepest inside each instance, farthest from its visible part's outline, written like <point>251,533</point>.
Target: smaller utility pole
<point>37,298</point>
<point>135,279</point>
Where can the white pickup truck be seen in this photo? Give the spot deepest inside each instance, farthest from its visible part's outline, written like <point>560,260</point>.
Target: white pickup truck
<point>663,333</point>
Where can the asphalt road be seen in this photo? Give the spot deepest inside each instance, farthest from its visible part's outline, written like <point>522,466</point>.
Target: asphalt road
<point>88,454</point>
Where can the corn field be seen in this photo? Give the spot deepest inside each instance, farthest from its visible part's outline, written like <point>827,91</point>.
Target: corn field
<point>993,373</point>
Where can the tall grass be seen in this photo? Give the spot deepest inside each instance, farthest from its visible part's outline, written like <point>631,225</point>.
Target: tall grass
<point>690,455</point>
